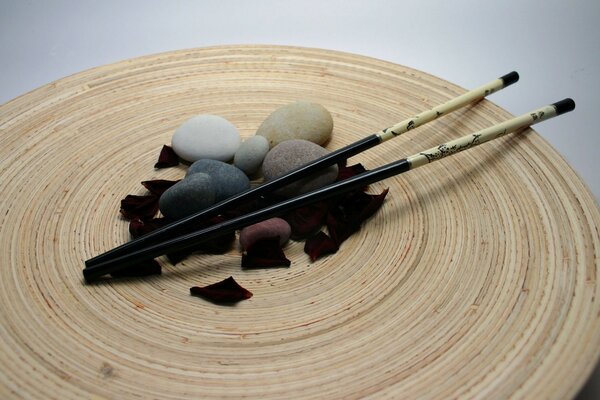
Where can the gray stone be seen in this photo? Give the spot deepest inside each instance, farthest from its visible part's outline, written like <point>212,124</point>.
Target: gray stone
<point>273,227</point>
<point>299,120</point>
<point>188,196</point>
<point>206,136</point>
<point>251,154</point>
<point>227,179</point>
<point>292,154</point>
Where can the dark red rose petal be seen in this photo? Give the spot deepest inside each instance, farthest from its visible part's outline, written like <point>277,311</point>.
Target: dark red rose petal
<point>265,253</point>
<point>142,207</point>
<point>226,291</point>
<point>350,212</point>
<point>167,158</point>
<point>158,186</point>
<point>222,243</point>
<point>319,245</point>
<point>307,220</point>
<point>178,256</point>
<point>218,245</point>
<point>373,205</point>
<point>150,267</point>
<point>345,172</point>
<point>138,228</point>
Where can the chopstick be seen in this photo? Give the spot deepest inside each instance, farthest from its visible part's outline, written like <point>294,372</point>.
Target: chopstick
<point>189,240</point>
<point>189,223</point>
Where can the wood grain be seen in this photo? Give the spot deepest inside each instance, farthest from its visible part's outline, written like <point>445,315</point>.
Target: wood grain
<point>477,279</point>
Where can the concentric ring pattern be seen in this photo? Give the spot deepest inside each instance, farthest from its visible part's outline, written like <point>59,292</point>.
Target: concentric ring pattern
<point>477,278</point>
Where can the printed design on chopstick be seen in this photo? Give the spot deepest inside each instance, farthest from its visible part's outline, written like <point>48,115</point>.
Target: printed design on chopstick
<point>501,133</point>
<point>538,115</point>
<point>444,150</point>
<point>410,125</point>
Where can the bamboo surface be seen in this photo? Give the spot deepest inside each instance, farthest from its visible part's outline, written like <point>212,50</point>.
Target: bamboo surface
<point>477,278</point>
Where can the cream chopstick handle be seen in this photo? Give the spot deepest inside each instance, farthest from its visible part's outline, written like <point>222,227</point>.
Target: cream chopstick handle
<point>485,135</point>
<point>449,106</point>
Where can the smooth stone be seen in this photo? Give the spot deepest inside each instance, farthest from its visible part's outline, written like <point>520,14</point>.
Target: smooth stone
<point>273,227</point>
<point>292,154</point>
<point>206,136</point>
<point>188,196</point>
<point>251,154</point>
<point>227,179</point>
<point>299,120</point>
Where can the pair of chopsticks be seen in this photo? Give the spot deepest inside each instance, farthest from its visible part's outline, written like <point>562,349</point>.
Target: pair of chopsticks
<point>183,234</point>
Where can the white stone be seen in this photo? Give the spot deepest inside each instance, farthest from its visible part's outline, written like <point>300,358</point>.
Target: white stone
<point>206,136</point>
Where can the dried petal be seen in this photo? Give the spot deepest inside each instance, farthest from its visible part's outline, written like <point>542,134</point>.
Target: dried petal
<point>178,256</point>
<point>218,245</point>
<point>345,172</point>
<point>142,207</point>
<point>307,220</point>
<point>226,291</point>
<point>167,158</point>
<point>320,245</point>
<point>158,186</point>
<point>350,212</point>
<point>150,267</point>
<point>265,253</point>
<point>138,228</point>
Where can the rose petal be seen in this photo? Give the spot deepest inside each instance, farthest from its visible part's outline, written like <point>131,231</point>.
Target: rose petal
<point>142,207</point>
<point>307,220</point>
<point>218,245</point>
<point>319,245</point>
<point>138,228</point>
<point>178,256</point>
<point>167,158</point>
<point>158,186</point>
<point>265,253</point>
<point>346,217</point>
<point>226,291</point>
<point>373,205</point>
<point>150,267</point>
<point>345,172</point>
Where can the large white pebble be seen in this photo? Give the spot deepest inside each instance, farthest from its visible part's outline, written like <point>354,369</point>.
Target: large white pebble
<point>206,136</point>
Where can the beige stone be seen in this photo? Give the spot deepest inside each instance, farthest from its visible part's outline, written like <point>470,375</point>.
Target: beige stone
<point>299,120</point>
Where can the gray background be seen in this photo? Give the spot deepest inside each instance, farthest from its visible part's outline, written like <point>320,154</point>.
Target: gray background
<point>552,44</point>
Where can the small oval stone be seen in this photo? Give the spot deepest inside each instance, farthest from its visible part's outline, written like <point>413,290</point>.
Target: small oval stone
<point>299,120</point>
<point>251,154</point>
<point>206,136</point>
<point>188,196</point>
<point>292,154</point>
<point>227,179</point>
<point>273,227</point>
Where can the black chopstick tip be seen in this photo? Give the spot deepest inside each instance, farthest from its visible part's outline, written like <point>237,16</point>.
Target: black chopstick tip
<point>564,106</point>
<point>87,276</point>
<point>510,78</point>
